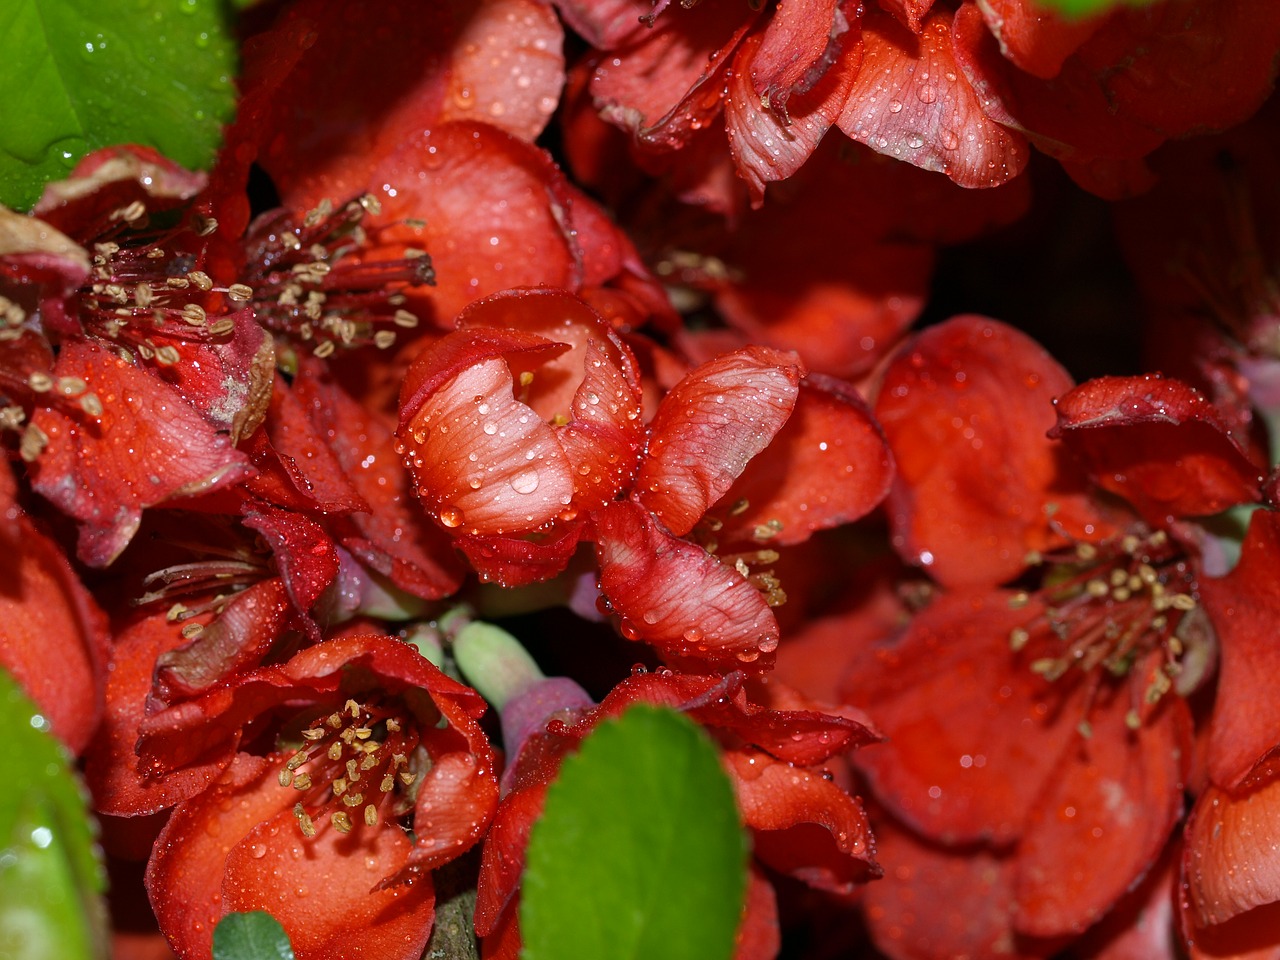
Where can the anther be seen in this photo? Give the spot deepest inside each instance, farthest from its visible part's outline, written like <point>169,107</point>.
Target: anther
<point>371,815</point>
<point>302,781</point>
<point>192,630</point>
<point>403,318</point>
<point>40,382</point>
<point>341,822</point>
<point>286,776</point>
<point>239,293</point>
<point>335,750</point>
<point>201,280</point>
<point>353,799</point>
<point>353,771</point>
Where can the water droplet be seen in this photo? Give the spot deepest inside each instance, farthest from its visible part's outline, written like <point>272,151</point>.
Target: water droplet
<point>258,851</point>
<point>526,482</point>
<point>490,429</point>
<point>895,106</point>
<point>451,516</point>
<point>915,141</point>
<point>927,94</point>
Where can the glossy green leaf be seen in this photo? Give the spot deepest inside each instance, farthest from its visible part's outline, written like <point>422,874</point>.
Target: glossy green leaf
<point>82,74</point>
<point>256,935</point>
<point>639,853</point>
<point>51,877</point>
<point>1085,8</point>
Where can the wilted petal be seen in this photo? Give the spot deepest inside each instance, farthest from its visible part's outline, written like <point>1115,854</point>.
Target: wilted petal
<point>675,596</point>
<point>148,446</point>
<point>1158,443</point>
<point>708,428</point>
<point>910,102</point>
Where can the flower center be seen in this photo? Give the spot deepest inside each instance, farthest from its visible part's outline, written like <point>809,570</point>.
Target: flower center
<point>1114,607</point>
<point>313,284</point>
<point>353,768</point>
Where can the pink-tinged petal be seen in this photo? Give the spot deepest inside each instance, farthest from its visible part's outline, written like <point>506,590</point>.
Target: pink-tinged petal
<point>935,901</point>
<point>486,463</point>
<point>1158,443</point>
<point>1105,815</point>
<point>1229,862</point>
<point>669,82</point>
<point>828,465</point>
<point>120,784</point>
<point>972,732</point>
<point>772,133</point>
<point>797,46</point>
<point>511,562</point>
<point>708,428</point>
<point>298,880</point>
<point>910,102</point>
<point>33,253</point>
<point>678,598</point>
<point>1244,608</point>
<point>1035,38</point>
<point>111,178</point>
<point>606,24</point>
<point>804,825</point>
<point>965,407</point>
<point>184,874</point>
<point>148,446</point>
<point>507,66</point>
<point>393,537</point>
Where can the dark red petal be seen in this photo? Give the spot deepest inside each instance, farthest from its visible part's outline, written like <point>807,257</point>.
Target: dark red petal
<point>972,732</point>
<point>1229,862</point>
<point>120,784</point>
<point>502,861</point>
<point>759,936</point>
<point>1105,815</point>
<point>828,465</point>
<point>511,562</point>
<point>910,102</point>
<point>148,446</point>
<point>393,537</point>
<point>965,408</point>
<point>934,901</point>
<point>708,428</point>
<point>1244,608</point>
<point>1158,443</point>
<point>299,880</point>
<point>678,598</point>
<point>55,640</point>
<point>805,826</point>
<point>669,82</point>
<point>185,872</point>
<point>304,554</point>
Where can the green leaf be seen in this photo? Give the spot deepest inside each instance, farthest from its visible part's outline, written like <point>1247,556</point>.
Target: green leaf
<point>250,936</point>
<point>51,877</point>
<point>1084,8</point>
<point>77,75</point>
<point>639,854</point>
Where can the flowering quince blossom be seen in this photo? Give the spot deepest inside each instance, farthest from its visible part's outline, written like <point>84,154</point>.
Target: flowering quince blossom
<point>365,731</point>
<point>1060,762</point>
<point>523,431</point>
<point>803,825</point>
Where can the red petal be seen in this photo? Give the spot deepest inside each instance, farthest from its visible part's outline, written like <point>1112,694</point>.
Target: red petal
<point>507,66</point>
<point>782,97</point>
<point>55,640</point>
<point>1035,38</point>
<point>1244,608</point>
<point>185,872</point>
<point>805,826</point>
<point>972,733</point>
<point>1105,816</point>
<point>935,902</point>
<point>909,102</point>
<point>675,596</point>
<point>965,409</point>
<point>1158,443</point>
<point>305,556</point>
<point>510,562</point>
<point>669,83</point>
<point>502,861</point>
<point>1229,861</point>
<point>828,465</point>
<point>148,446</point>
<point>299,880</point>
<point>910,13</point>
<point>759,936</point>
<point>708,428</point>
<point>119,782</point>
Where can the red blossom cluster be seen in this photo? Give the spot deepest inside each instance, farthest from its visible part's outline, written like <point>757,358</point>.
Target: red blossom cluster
<point>622,323</point>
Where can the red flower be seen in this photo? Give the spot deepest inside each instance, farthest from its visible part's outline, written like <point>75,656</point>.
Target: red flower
<point>525,424</point>
<point>803,824</point>
<point>359,732</point>
<point>1058,764</point>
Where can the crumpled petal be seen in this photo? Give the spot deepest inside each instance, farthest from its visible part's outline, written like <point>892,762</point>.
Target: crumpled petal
<point>708,428</point>
<point>678,598</point>
<point>147,447</point>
